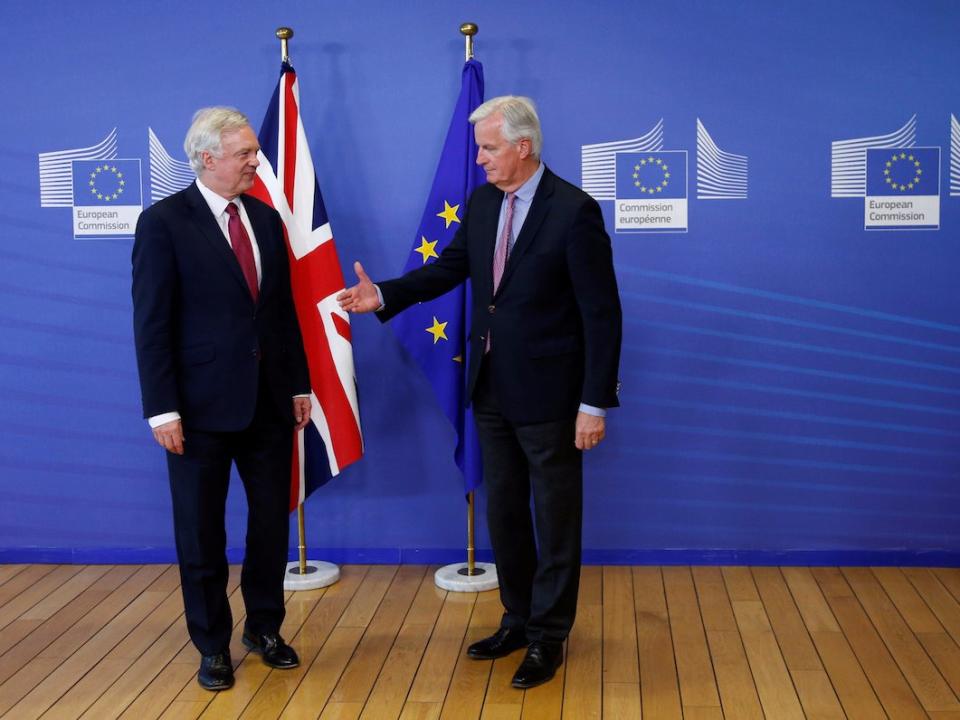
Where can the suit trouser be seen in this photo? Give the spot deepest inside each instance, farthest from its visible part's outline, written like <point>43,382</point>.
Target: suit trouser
<point>538,589</point>
<point>199,480</point>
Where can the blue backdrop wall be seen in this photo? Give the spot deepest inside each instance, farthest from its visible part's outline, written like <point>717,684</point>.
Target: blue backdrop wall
<point>791,367</point>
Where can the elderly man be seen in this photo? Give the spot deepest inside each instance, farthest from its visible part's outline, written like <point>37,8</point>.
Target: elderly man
<point>224,380</point>
<point>544,351</point>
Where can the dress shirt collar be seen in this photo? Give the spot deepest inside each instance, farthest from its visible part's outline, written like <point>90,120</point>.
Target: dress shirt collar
<point>526,191</point>
<point>217,203</point>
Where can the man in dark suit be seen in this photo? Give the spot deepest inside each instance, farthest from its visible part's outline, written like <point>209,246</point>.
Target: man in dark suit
<point>544,352</point>
<point>224,379</point>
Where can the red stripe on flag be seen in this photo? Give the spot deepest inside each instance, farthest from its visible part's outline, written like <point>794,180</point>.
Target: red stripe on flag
<point>291,115</point>
<point>343,327</point>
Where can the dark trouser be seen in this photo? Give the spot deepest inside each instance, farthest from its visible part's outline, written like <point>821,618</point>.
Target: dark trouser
<point>198,483</point>
<point>538,591</point>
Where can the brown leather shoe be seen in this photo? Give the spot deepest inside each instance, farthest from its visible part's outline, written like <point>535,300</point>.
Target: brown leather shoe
<point>503,642</point>
<point>540,664</point>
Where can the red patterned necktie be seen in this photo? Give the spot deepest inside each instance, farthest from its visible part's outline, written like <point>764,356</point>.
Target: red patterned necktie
<point>503,245</point>
<point>243,249</point>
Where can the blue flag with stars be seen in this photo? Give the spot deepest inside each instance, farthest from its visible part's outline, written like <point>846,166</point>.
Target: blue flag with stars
<point>435,332</point>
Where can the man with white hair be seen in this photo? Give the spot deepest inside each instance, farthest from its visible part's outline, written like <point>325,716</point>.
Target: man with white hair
<point>224,379</point>
<point>544,353</point>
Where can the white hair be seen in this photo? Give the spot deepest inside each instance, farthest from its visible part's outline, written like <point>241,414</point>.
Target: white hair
<point>206,131</point>
<point>519,120</point>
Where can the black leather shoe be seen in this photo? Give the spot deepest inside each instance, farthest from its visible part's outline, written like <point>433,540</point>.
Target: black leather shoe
<point>275,652</point>
<point>503,642</point>
<point>216,672</point>
<point>540,665</point>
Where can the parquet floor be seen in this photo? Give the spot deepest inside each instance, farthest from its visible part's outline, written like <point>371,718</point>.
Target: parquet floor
<point>672,642</point>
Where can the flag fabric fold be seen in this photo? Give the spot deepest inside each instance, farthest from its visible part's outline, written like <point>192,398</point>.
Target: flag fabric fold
<point>286,181</point>
<point>434,333</point>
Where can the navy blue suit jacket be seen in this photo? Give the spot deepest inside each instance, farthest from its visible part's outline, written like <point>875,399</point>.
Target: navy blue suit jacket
<point>555,318</point>
<point>204,348</point>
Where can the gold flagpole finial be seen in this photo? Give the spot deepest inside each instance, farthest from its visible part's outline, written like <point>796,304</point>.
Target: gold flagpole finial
<point>284,34</point>
<point>469,30</point>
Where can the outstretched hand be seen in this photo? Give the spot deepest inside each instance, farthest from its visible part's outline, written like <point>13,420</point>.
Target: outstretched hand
<point>362,297</point>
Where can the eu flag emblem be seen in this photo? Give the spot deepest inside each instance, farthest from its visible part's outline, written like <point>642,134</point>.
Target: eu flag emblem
<point>106,182</point>
<point>903,189</point>
<point>653,175</point>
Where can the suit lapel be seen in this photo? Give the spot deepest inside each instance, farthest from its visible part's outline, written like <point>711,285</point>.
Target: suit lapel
<point>487,218</point>
<point>210,231</point>
<point>531,225</point>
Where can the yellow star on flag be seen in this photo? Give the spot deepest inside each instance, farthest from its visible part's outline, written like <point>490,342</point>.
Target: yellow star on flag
<point>449,213</point>
<point>437,330</point>
<point>458,358</point>
<point>427,249</point>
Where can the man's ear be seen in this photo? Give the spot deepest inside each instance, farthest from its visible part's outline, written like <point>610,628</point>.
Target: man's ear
<point>525,147</point>
<point>207,159</point>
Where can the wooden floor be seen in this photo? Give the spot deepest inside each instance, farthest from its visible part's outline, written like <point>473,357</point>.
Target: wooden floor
<point>673,642</point>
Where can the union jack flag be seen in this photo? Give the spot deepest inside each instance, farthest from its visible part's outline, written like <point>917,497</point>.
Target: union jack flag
<point>286,181</point>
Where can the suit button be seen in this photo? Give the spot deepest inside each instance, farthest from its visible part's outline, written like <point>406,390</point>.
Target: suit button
<point>491,308</point>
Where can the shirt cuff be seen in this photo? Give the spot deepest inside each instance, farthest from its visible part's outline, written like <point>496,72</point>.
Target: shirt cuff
<point>158,420</point>
<point>591,410</point>
<point>306,395</point>
<point>380,298</point>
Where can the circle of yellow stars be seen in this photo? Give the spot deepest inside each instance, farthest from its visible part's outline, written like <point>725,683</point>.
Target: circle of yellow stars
<point>653,189</point>
<point>106,196</point>
<point>909,160</point>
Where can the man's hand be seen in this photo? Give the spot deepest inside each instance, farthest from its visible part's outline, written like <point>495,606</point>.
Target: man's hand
<point>170,436</point>
<point>362,297</point>
<point>590,430</point>
<point>301,411</point>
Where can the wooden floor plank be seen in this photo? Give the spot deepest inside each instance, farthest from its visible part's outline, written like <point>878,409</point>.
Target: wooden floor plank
<point>938,599</point>
<point>930,687</point>
<point>468,685</point>
<point>8,571</point>
<point>698,687</point>
<point>621,663</point>
<point>582,688</point>
<point>52,657</point>
<point>77,665</point>
<point>738,696</point>
<point>775,688</point>
<point>706,643</point>
<point>788,627</point>
<point>889,684</point>
<point>621,701</point>
<point>659,683</point>
<point>319,611</point>
<point>361,673</point>
<point>31,645</point>
<point>440,658</point>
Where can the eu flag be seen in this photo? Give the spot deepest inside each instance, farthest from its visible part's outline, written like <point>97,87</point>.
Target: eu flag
<point>434,333</point>
<point>652,175</point>
<point>106,183</point>
<point>903,171</point>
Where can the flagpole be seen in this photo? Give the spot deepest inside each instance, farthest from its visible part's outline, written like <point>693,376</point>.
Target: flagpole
<point>472,577</point>
<point>303,575</point>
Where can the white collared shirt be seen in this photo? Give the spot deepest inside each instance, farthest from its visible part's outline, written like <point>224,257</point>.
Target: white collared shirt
<point>218,206</point>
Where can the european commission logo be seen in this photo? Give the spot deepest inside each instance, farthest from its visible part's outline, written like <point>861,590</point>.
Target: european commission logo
<point>651,192</point>
<point>107,198</point>
<point>898,180</point>
<point>104,191</point>
<point>649,185</point>
<point>903,188</point>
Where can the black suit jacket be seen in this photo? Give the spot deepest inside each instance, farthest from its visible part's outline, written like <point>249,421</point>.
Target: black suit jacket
<point>203,346</point>
<point>555,319</point>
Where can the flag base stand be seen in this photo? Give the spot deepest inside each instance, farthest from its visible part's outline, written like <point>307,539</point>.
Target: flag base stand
<point>318,574</point>
<point>457,577</point>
